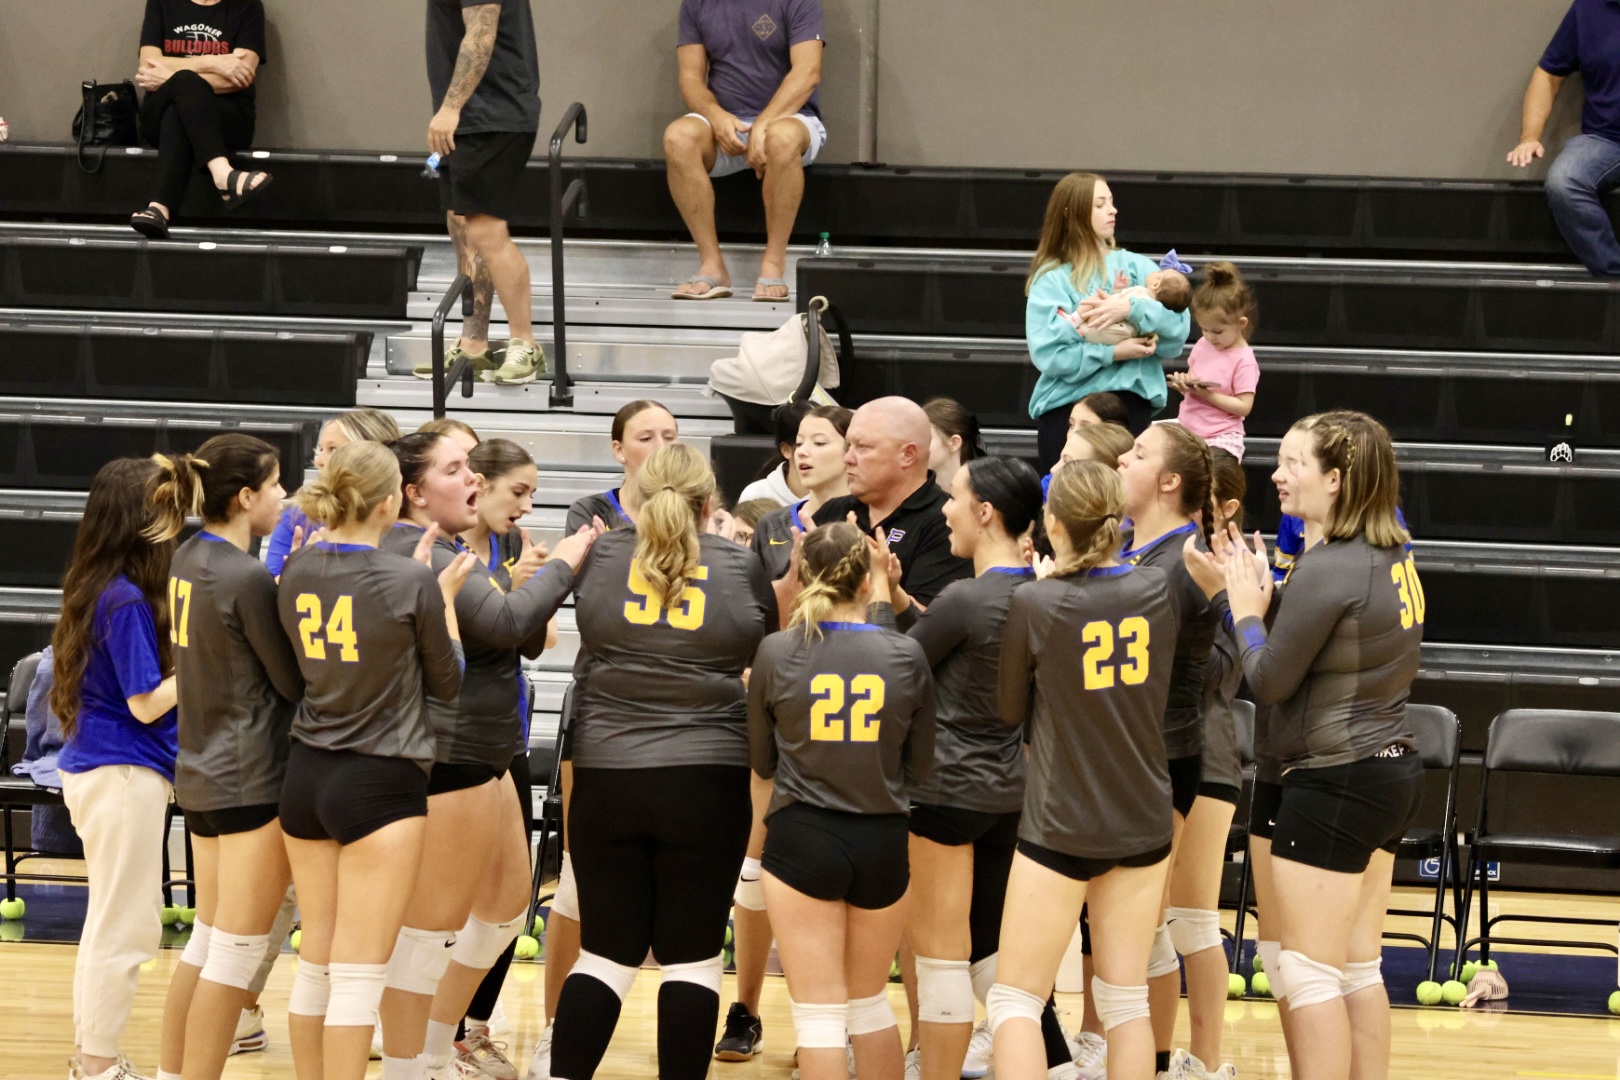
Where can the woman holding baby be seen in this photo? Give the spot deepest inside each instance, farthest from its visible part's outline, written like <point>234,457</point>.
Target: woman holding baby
<point>1099,317</point>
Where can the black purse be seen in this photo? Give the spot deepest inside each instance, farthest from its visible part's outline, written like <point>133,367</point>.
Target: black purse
<point>109,116</point>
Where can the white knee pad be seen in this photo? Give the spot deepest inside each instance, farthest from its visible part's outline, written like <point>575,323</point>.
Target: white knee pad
<point>356,991</point>
<point>750,891</point>
<point>419,960</point>
<point>1269,953</point>
<point>1309,983</point>
<point>480,944</point>
<point>1163,959</point>
<point>616,977</point>
<point>982,974</point>
<point>1004,1003</point>
<point>870,1014</point>
<point>820,1027</point>
<point>233,959</point>
<point>311,988</point>
<point>196,950</point>
<point>1359,975</point>
<point>1192,930</point>
<point>944,991</point>
<point>566,900</point>
<point>1118,1005</point>
<point>705,973</point>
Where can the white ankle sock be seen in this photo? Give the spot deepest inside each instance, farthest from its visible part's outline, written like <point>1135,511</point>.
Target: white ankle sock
<point>440,1042</point>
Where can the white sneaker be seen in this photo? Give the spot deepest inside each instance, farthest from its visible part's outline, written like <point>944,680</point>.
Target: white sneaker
<point>454,1069</point>
<point>977,1062</point>
<point>486,1055</point>
<point>1091,1056</point>
<point>250,1034</point>
<point>120,1069</point>
<point>914,1064</point>
<point>540,1063</point>
<point>1067,1071</point>
<point>1183,1066</point>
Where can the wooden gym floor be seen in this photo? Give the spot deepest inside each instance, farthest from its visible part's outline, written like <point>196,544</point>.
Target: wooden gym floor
<point>1434,1044</point>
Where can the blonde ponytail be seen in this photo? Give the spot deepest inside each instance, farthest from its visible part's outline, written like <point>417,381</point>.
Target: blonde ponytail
<point>833,561</point>
<point>359,477</point>
<point>1087,499</point>
<point>176,494</point>
<point>674,486</point>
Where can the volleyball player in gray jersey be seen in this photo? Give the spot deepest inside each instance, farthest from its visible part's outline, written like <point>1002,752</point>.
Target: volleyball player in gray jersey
<point>841,718</point>
<point>1338,662</point>
<point>237,679</point>
<point>375,635</point>
<point>472,891</point>
<point>1086,661</point>
<point>1168,495</point>
<point>639,430</point>
<point>669,618</point>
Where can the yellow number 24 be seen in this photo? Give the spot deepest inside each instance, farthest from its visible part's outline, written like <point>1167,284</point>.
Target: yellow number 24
<point>863,724</point>
<point>339,629</point>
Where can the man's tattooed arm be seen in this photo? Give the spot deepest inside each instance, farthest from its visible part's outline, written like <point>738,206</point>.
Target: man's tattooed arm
<point>476,46</point>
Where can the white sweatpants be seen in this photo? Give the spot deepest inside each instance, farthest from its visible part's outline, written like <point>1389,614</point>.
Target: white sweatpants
<point>118,811</point>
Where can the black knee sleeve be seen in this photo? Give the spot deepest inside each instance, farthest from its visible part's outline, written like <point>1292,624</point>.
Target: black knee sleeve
<point>587,1013</point>
<point>687,1016</point>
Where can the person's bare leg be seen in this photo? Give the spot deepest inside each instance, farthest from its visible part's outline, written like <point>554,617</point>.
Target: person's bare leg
<point>1195,883</point>
<point>315,868</point>
<point>562,932</point>
<point>813,944</point>
<point>475,327</point>
<point>1369,1008</point>
<point>1122,922</point>
<point>1265,904</point>
<point>941,899</point>
<point>183,983</point>
<point>689,154</point>
<point>508,270</point>
<point>1164,991</point>
<point>753,928</point>
<point>1318,909</point>
<point>872,935</point>
<point>785,147</point>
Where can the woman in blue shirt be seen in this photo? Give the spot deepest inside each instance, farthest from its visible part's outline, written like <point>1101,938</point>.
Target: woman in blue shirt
<point>115,695</point>
<point>1076,259</point>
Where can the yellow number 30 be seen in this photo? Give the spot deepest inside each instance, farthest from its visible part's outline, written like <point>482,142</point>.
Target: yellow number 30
<point>339,630</point>
<point>1413,605</point>
<point>863,724</point>
<point>685,614</point>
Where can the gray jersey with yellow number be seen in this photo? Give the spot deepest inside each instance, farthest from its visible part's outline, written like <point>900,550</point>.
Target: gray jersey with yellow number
<point>369,630</point>
<point>236,675</point>
<point>1087,662</point>
<point>657,686</point>
<point>844,721</point>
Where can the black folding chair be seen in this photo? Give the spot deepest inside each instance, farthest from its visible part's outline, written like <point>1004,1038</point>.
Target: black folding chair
<point>551,807</point>
<point>1571,744</point>
<point>1237,839</point>
<point>1434,835</point>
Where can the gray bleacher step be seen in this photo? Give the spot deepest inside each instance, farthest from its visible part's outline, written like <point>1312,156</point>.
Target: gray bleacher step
<point>629,305</point>
<point>603,352</point>
<point>402,393</point>
<point>185,414</point>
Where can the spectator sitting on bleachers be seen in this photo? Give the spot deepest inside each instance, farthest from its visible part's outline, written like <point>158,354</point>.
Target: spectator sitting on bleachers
<point>198,63</point>
<point>748,73</point>
<point>1588,41</point>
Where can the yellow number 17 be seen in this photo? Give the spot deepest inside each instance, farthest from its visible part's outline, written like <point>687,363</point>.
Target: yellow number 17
<point>339,629</point>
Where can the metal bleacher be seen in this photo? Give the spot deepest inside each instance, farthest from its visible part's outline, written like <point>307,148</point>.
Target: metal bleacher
<point>1434,306</point>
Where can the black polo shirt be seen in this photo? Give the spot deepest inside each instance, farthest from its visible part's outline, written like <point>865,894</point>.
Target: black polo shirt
<point>917,534</point>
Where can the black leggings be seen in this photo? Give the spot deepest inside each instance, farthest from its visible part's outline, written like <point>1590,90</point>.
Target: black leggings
<point>489,991</point>
<point>656,854</point>
<point>190,124</point>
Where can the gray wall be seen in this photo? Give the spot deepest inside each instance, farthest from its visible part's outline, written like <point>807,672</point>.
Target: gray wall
<point>1383,87</point>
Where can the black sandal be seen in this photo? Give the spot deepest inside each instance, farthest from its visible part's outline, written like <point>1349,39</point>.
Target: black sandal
<point>236,194</point>
<point>150,223</point>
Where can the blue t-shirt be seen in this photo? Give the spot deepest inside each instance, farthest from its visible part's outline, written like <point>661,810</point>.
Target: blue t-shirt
<point>1588,41</point>
<point>123,664</point>
<point>280,544</point>
<point>748,43</point>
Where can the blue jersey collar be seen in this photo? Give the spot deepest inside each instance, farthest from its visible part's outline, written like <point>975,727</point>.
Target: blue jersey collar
<point>1012,571</point>
<point>847,626</point>
<point>212,538</point>
<point>328,545</point>
<point>1136,553</point>
<point>1110,571</point>
<point>612,496</point>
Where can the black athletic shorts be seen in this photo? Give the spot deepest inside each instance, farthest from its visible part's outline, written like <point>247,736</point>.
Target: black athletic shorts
<point>210,824</point>
<point>1080,869</point>
<point>1186,773</point>
<point>860,859</point>
<point>952,826</point>
<point>1226,793</point>
<point>1335,818</point>
<point>447,778</point>
<point>1263,803</point>
<point>344,796</point>
<point>484,173</point>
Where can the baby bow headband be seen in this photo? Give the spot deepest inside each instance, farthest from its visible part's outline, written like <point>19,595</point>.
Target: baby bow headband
<point>1171,262</point>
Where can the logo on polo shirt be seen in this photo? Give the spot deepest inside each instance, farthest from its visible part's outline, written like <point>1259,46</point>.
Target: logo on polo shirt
<point>896,535</point>
<point>764,27</point>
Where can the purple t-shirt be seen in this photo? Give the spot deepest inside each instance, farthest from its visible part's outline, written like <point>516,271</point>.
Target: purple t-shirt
<point>1588,41</point>
<point>747,42</point>
<point>123,663</point>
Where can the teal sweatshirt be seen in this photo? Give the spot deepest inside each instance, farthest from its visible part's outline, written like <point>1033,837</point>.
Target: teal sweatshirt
<point>1070,367</point>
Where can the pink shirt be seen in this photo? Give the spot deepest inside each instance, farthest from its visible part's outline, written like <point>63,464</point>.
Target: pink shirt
<point>1233,371</point>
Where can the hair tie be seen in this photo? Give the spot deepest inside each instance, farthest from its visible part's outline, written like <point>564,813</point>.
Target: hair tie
<point>668,487</point>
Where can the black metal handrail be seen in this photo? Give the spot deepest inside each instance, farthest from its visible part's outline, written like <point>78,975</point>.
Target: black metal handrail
<point>562,201</point>
<point>462,368</point>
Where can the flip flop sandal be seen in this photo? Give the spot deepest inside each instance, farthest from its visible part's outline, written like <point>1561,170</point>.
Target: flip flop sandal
<point>716,291</point>
<point>150,223</point>
<point>771,282</point>
<point>233,197</point>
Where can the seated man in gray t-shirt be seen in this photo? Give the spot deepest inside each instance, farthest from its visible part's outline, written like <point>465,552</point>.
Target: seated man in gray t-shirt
<point>748,73</point>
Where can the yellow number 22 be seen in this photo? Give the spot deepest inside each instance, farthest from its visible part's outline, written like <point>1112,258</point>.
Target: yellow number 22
<point>863,725</point>
<point>339,629</point>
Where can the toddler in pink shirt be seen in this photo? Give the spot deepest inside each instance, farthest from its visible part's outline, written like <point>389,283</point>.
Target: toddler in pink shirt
<point>1218,387</point>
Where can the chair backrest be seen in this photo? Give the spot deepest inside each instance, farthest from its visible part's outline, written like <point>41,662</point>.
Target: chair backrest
<point>22,680</point>
<point>1243,716</point>
<point>1439,735</point>
<point>1566,741</point>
